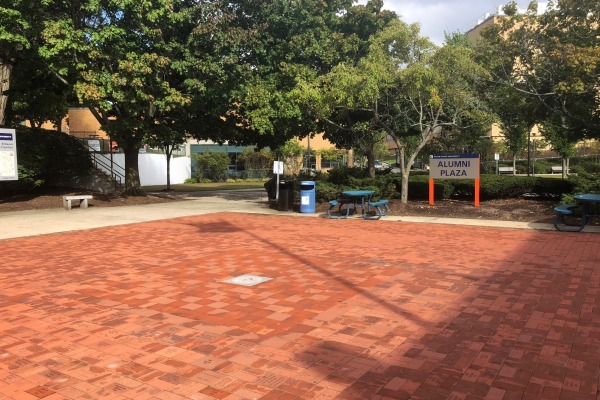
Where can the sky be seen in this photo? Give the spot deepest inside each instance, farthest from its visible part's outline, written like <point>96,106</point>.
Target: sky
<point>439,16</point>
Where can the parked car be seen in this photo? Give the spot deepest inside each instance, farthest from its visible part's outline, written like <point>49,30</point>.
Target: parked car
<point>381,165</point>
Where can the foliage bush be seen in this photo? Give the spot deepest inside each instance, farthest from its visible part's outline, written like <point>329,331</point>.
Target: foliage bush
<point>341,175</point>
<point>552,187</point>
<point>583,182</point>
<point>44,157</point>
<point>503,187</point>
<point>330,186</point>
<point>326,191</point>
<point>543,166</point>
<point>585,166</point>
<point>418,188</point>
<point>256,163</point>
<point>211,166</point>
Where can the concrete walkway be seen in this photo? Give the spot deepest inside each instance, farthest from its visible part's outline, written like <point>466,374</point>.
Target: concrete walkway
<point>214,299</point>
<point>39,222</point>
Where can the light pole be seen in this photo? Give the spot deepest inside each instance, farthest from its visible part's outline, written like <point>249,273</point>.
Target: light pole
<point>308,154</point>
<point>529,153</point>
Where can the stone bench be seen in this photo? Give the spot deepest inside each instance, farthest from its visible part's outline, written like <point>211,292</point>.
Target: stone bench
<point>556,169</point>
<point>83,200</point>
<point>505,170</point>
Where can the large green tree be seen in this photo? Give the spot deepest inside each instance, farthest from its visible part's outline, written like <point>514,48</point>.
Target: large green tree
<point>121,58</point>
<point>552,59</point>
<point>406,88</point>
<point>14,27</point>
<point>36,95</point>
<point>294,42</point>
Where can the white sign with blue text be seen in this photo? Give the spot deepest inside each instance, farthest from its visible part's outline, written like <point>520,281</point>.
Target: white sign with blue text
<point>454,166</point>
<point>8,155</point>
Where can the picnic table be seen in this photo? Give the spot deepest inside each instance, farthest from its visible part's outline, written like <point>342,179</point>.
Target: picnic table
<point>352,199</point>
<point>574,217</point>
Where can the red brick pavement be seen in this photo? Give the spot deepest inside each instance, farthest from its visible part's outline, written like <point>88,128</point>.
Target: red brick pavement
<point>355,309</point>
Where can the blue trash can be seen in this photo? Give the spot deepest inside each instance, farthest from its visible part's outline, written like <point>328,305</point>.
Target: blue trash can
<point>308,197</point>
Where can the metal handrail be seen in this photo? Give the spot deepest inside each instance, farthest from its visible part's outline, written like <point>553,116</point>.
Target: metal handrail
<point>109,165</point>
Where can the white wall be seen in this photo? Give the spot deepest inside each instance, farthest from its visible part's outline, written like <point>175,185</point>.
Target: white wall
<point>153,168</point>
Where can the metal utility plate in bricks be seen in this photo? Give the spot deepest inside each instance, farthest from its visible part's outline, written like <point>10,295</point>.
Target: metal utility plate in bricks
<point>247,280</point>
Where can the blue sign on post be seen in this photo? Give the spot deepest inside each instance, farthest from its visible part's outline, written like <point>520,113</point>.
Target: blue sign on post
<point>8,155</point>
<point>454,166</point>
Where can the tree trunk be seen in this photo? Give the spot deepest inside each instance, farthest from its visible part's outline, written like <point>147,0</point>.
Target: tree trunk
<point>5,70</point>
<point>133,186</point>
<point>565,167</point>
<point>168,153</point>
<point>514,164</point>
<point>404,195</point>
<point>370,153</point>
<point>404,172</point>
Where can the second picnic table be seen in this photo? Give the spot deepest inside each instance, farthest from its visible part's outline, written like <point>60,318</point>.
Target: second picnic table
<point>585,203</point>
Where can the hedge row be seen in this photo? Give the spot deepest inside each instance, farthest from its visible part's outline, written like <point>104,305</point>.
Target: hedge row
<point>491,187</point>
<point>43,157</point>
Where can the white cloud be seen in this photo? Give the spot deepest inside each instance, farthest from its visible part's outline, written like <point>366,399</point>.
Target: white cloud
<point>436,17</point>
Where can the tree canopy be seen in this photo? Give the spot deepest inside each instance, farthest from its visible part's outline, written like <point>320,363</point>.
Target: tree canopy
<point>552,59</point>
<point>405,88</point>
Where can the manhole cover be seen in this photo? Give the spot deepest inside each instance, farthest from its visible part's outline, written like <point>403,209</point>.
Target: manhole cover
<point>247,280</point>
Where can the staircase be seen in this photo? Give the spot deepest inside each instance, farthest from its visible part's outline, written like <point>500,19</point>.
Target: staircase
<point>95,181</point>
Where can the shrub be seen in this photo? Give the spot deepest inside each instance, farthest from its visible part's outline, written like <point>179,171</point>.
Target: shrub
<point>327,191</point>
<point>499,186</point>
<point>543,166</point>
<point>418,188</point>
<point>211,166</point>
<point>588,166</point>
<point>502,187</point>
<point>585,182</point>
<point>491,186</point>
<point>552,187</point>
<point>341,175</point>
<point>257,163</point>
<point>45,157</point>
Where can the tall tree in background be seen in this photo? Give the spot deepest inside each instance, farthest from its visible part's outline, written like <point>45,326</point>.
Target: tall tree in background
<point>552,59</point>
<point>517,117</point>
<point>294,42</point>
<point>405,88</point>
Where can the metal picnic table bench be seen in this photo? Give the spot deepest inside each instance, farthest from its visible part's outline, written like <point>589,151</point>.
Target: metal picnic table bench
<point>351,199</point>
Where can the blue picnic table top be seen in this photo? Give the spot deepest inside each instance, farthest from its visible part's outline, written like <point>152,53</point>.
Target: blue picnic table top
<point>358,193</point>
<point>588,198</point>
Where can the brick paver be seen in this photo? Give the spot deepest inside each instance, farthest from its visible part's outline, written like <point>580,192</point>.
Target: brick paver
<point>355,309</point>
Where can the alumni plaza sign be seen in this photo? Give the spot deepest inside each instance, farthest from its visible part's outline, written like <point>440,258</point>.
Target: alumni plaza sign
<point>454,166</point>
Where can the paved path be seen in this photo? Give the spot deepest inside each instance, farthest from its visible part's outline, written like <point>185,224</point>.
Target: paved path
<point>29,223</point>
<point>137,307</point>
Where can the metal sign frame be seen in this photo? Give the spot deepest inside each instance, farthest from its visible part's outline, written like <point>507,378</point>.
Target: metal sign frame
<point>454,166</point>
<point>9,170</point>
